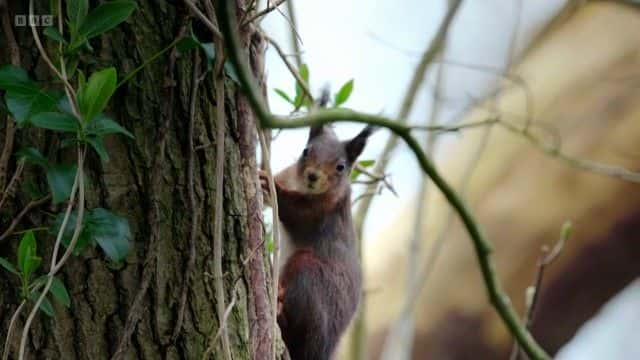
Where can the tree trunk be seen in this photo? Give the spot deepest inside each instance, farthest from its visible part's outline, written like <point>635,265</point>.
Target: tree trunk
<point>148,181</point>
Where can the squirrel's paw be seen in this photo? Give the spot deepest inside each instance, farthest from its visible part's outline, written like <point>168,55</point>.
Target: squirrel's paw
<point>264,184</point>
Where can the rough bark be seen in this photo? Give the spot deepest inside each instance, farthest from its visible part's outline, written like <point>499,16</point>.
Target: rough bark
<point>146,181</point>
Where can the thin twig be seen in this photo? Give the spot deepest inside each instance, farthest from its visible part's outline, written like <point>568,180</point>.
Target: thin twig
<point>266,162</point>
<point>614,171</point>
<point>375,178</point>
<point>78,186</point>
<point>456,128</point>
<point>69,90</point>
<point>16,175</point>
<point>296,74</point>
<point>32,204</point>
<point>212,27</point>
<point>264,12</point>
<point>533,292</point>
<point>14,317</point>
<point>496,295</point>
<point>294,37</point>
<point>223,325</point>
<point>10,127</point>
<point>218,80</point>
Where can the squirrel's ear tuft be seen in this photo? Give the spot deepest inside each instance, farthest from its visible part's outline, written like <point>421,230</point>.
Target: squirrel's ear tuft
<point>315,131</point>
<point>355,146</point>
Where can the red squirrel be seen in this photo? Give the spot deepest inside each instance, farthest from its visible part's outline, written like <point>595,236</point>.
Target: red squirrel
<point>320,280</point>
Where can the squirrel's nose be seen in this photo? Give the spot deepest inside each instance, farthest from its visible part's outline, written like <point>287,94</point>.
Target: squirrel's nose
<point>312,177</point>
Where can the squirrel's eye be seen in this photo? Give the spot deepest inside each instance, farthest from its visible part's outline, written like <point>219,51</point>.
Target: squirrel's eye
<point>340,167</point>
<point>305,152</point>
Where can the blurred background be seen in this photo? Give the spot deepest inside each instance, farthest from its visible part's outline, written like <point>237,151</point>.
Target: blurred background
<point>562,80</point>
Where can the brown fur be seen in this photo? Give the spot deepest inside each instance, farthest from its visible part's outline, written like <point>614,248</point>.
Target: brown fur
<point>320,283</point>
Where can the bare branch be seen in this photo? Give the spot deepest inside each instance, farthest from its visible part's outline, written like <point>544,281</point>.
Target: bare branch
<point>292,70</point>
<point>21,214</point>
<point>264,12</point>
<point>266,161</point>
<point>198,13</point>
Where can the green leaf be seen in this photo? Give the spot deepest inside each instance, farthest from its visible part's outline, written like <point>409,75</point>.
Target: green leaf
<point>8,266</point>
<point>76,12</point>
<point>284,95</point>
<point>93,97</point>
<point>28,101</point>
<point>60,179</point>
<point>26,247</point>
<point>32,264</point>
<point>32,155</point>
<point>45,305</point>
<point>98,145</point>
<point>105,17</point>
<point>301,97</point>
<point>82,81</point>
<point>84,238</point>
<point>363,163</point>
<point>12,77</point>
<point>59,292</point>
<point>111,232</point>
<point>304,72</point>
<point>55,121</point>
<point>187,43</point>
<point>103,125</point>
<point>54,34</point>
<point>26,250</point>
<point>343,94</point>
<point>231,72</point>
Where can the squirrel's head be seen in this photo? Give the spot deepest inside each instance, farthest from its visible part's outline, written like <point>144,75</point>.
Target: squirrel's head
<point>326,162</point>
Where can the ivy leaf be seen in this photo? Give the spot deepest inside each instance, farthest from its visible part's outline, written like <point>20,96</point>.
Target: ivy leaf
<point>364,164</point>
<point>98,145</point>
<point>94,96</point>
<point>111,232</point>
<point>28,261</point>
<point>55,121</point>
<point>300,95</point>
<point>45,306</point>
<point>343,94</point>
<point>28,101</point>
<point>60,292</point>
<point>13,77</point>
<point>284,95</point>
<point>76,12</point>
<point>8,266</point>
<point>60,179</point>
<point>54,34</point>
<point>103,125</point>
<point>32,155</point>
<point>84,239</point>
<point>187,43</point>
<point>105,17</point>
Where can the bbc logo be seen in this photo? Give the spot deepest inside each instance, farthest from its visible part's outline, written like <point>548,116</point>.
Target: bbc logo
<point>34,20</point>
